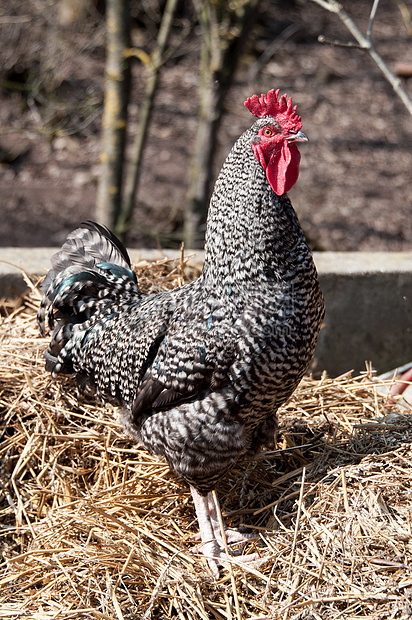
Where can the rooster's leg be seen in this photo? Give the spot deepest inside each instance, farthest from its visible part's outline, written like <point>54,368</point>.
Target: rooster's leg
<point>210,546</point>
<point>211,535</point>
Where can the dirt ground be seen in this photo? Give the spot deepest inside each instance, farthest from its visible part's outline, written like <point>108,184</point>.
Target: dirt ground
<point>354,187</point>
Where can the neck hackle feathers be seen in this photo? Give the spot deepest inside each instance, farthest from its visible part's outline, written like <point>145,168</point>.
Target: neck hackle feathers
<point>271,105</point>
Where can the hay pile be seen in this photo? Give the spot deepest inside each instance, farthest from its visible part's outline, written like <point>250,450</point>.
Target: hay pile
<point>91,527</point>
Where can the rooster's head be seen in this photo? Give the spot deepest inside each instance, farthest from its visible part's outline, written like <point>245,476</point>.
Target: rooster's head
<point>274,144</point>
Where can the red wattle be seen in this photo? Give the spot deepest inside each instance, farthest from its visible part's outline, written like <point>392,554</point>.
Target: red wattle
<point>283,169</point>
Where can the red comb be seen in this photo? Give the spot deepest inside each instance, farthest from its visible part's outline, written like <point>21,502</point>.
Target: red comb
<point>269,105</point>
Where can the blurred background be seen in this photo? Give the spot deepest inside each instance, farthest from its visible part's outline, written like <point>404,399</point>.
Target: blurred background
<point>354,187</point>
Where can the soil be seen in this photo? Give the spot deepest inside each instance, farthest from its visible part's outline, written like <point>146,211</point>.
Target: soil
<point>354,187</point>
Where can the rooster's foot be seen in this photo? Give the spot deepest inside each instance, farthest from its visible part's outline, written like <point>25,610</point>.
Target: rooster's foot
<point>213,543</point>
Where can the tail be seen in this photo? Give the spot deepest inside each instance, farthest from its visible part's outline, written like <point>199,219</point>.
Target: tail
<point>91,271</point>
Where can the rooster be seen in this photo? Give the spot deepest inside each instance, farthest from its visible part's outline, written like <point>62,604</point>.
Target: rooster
<point>201,370</point>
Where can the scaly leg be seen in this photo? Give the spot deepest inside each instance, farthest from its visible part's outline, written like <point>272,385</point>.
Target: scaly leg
<point>210,546</point>
<point>210,532</point>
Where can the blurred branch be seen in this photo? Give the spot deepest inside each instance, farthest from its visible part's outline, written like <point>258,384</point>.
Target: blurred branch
<point>224,28</point>
<point>114,120</point>
<point>365,43</point>
<point>153,63</point>
<point>406,16</point>
<point>371,20</point>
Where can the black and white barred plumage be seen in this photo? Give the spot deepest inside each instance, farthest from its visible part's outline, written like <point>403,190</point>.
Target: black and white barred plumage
<point>200,370</point>
<point>232,345</point>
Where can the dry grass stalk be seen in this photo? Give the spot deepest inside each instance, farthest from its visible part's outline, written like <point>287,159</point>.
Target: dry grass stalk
<point>91,527</point>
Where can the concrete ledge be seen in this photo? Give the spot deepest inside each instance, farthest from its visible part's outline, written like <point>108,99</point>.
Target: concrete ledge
<point>368,302</point>
<point>368,316</point>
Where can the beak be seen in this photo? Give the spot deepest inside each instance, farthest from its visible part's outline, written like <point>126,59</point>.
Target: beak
<point>297,137</point>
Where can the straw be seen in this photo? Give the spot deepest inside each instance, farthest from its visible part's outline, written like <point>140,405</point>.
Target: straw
<point>92,527</point>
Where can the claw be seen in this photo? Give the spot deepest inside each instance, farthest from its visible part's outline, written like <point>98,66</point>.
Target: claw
<point>237,537</point>
<point>216,558</point>
<point>233,537</point>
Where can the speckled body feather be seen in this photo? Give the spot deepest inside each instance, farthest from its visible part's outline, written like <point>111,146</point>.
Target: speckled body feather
<point>200,370</point>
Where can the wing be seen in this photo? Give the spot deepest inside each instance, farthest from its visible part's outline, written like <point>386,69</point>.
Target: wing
<point>115,348</point>
<point>192,358</point>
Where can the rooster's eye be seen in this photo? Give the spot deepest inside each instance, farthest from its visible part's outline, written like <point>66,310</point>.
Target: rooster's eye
<point>268,132</point>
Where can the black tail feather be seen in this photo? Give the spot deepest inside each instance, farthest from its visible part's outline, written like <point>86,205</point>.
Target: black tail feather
<point>89,272</point>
